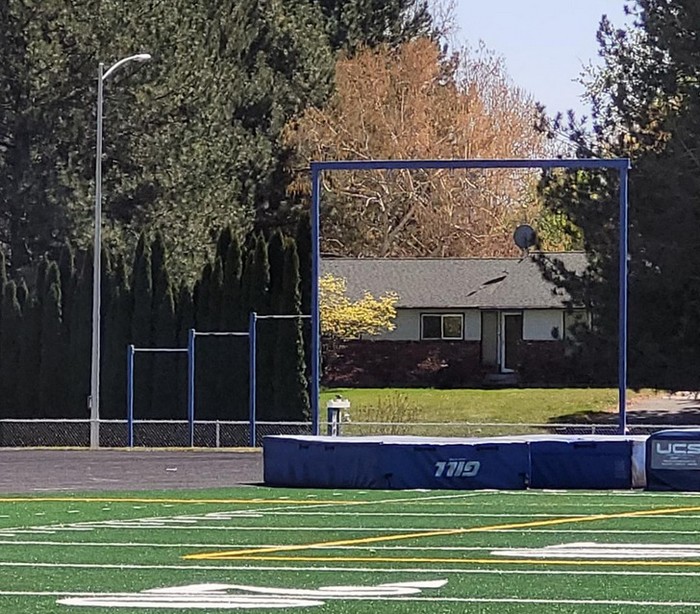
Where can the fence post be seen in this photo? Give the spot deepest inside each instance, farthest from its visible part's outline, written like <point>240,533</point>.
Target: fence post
<point>130,394</point>
<point>252,351</point>
<point>190,383</point>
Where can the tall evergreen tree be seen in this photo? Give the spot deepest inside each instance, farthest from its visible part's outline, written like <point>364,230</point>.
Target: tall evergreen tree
<point>80,334</point>
<point>351,23</point>
<point>184,313</point>
<point>260,303</point>
<point>52,364</point>
<point>164,333</point>
<point>116,337</point>
<point>3,284</point>
<point>291,397</point>
<point>142,326</point>
<point>235,389</point>
<point>646,105</point>
<point>11,333</point>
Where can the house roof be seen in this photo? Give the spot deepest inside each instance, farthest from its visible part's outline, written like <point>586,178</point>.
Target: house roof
<point>445,283</point>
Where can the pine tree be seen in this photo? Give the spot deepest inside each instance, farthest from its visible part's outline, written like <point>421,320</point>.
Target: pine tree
<point>184,313</point>
<point>80,335</point>
<point>164,334</point>
<point>30,359</point>
<point>3,284</point>
<point>260,303</point>
<point>116,338</point>
<point>291,397</point>
<point>142,327</point>
<point>235,389</point>
<point>11,331</point>
<point>645,106</point>
<point>52,373</point>
<point>205,381</point>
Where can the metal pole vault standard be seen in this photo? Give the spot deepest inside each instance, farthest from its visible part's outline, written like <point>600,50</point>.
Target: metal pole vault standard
<point>622,165</point>
<point>132,349</point>
<point>191,337</point>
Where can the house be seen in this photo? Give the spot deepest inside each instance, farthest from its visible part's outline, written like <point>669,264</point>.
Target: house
<point>460,322</point>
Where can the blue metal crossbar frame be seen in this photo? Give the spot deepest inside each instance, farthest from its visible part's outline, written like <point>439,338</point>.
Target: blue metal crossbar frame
<point>622,165</point>
<point>191,337</point>
<point>190,349</point>
<point>131,352</point>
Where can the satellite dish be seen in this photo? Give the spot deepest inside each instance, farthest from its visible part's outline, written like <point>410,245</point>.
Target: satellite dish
<point>525,237</point>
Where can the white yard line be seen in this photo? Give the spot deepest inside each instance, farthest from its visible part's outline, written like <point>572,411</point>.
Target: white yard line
<point>504,600</point>
<point>339,569</point>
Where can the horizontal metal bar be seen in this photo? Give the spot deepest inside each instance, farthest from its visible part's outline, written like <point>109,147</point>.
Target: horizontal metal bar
<point>160,349</point>
<point>351,165</point>
<point>219,334</point>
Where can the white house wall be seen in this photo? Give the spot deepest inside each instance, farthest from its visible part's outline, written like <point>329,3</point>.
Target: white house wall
<point>407,324</point>
<point>539,323</point>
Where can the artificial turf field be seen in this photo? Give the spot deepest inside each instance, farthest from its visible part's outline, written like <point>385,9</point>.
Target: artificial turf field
<point>350,551</point>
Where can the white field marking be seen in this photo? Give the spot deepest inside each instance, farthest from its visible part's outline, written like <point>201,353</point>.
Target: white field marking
<point>221,515</point>
<point>509,600</point>
<point>112,526</point>
<point>575,550</point>
<point>216,596</point>
<point>597,531</point>
<point>362,570</point>
<point>229,545</point>
<point>597,551</point>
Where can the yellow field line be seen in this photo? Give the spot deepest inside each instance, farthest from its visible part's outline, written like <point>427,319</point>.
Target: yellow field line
<point>237,554</point>
<point>144,500</point>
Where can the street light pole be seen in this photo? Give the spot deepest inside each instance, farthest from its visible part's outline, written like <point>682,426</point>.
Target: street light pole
<point>102,76</point>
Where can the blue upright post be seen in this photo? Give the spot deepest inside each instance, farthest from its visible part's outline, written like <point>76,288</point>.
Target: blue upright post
<point>315,308</point>
<point>622,308</point>
<point>252,351</point>
<point>130,395</point>
<point>190,383</point>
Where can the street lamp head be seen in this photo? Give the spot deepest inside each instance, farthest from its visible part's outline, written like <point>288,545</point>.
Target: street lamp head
<point>139,57</point>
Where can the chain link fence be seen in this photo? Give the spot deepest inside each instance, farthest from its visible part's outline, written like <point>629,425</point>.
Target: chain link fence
<point>222,434</point>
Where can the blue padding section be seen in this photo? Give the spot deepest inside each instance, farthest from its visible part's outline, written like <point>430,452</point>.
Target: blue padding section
<point>395,463</point>
<point>512,463</point>
<point>581,463</point>
<point>459,466</point>
<point>673,460</point>
<point>321,463</point>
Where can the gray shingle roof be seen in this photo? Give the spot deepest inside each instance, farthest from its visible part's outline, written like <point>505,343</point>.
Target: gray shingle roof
<point>487,283</point>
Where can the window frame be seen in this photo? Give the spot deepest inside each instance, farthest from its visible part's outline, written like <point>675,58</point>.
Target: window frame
<point>442,317</point>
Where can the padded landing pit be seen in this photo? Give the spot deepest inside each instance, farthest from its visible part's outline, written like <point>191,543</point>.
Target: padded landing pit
<point>505,463</point>
<point>673,460</point>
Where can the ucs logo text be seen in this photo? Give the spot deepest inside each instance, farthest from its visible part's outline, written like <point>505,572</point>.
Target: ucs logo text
<point>677,448</point>
<point>457,468</point>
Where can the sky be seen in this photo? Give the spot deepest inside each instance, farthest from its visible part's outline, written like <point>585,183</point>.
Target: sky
<point>545,43</point>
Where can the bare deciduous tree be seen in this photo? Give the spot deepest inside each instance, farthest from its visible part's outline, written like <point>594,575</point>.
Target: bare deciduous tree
<point>413,102</point>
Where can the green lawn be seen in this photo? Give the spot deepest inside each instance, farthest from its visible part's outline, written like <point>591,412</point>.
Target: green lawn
<point>350,552</point>
<point>513,405</point>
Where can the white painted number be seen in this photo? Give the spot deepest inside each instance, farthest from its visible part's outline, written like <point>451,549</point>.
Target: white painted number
<point>457,468</point>
<point>218,597</point>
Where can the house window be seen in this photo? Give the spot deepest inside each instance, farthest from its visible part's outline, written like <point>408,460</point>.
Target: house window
<point>442,326</point>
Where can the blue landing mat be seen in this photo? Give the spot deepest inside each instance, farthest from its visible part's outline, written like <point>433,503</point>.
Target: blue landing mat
<point>403,462</point>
